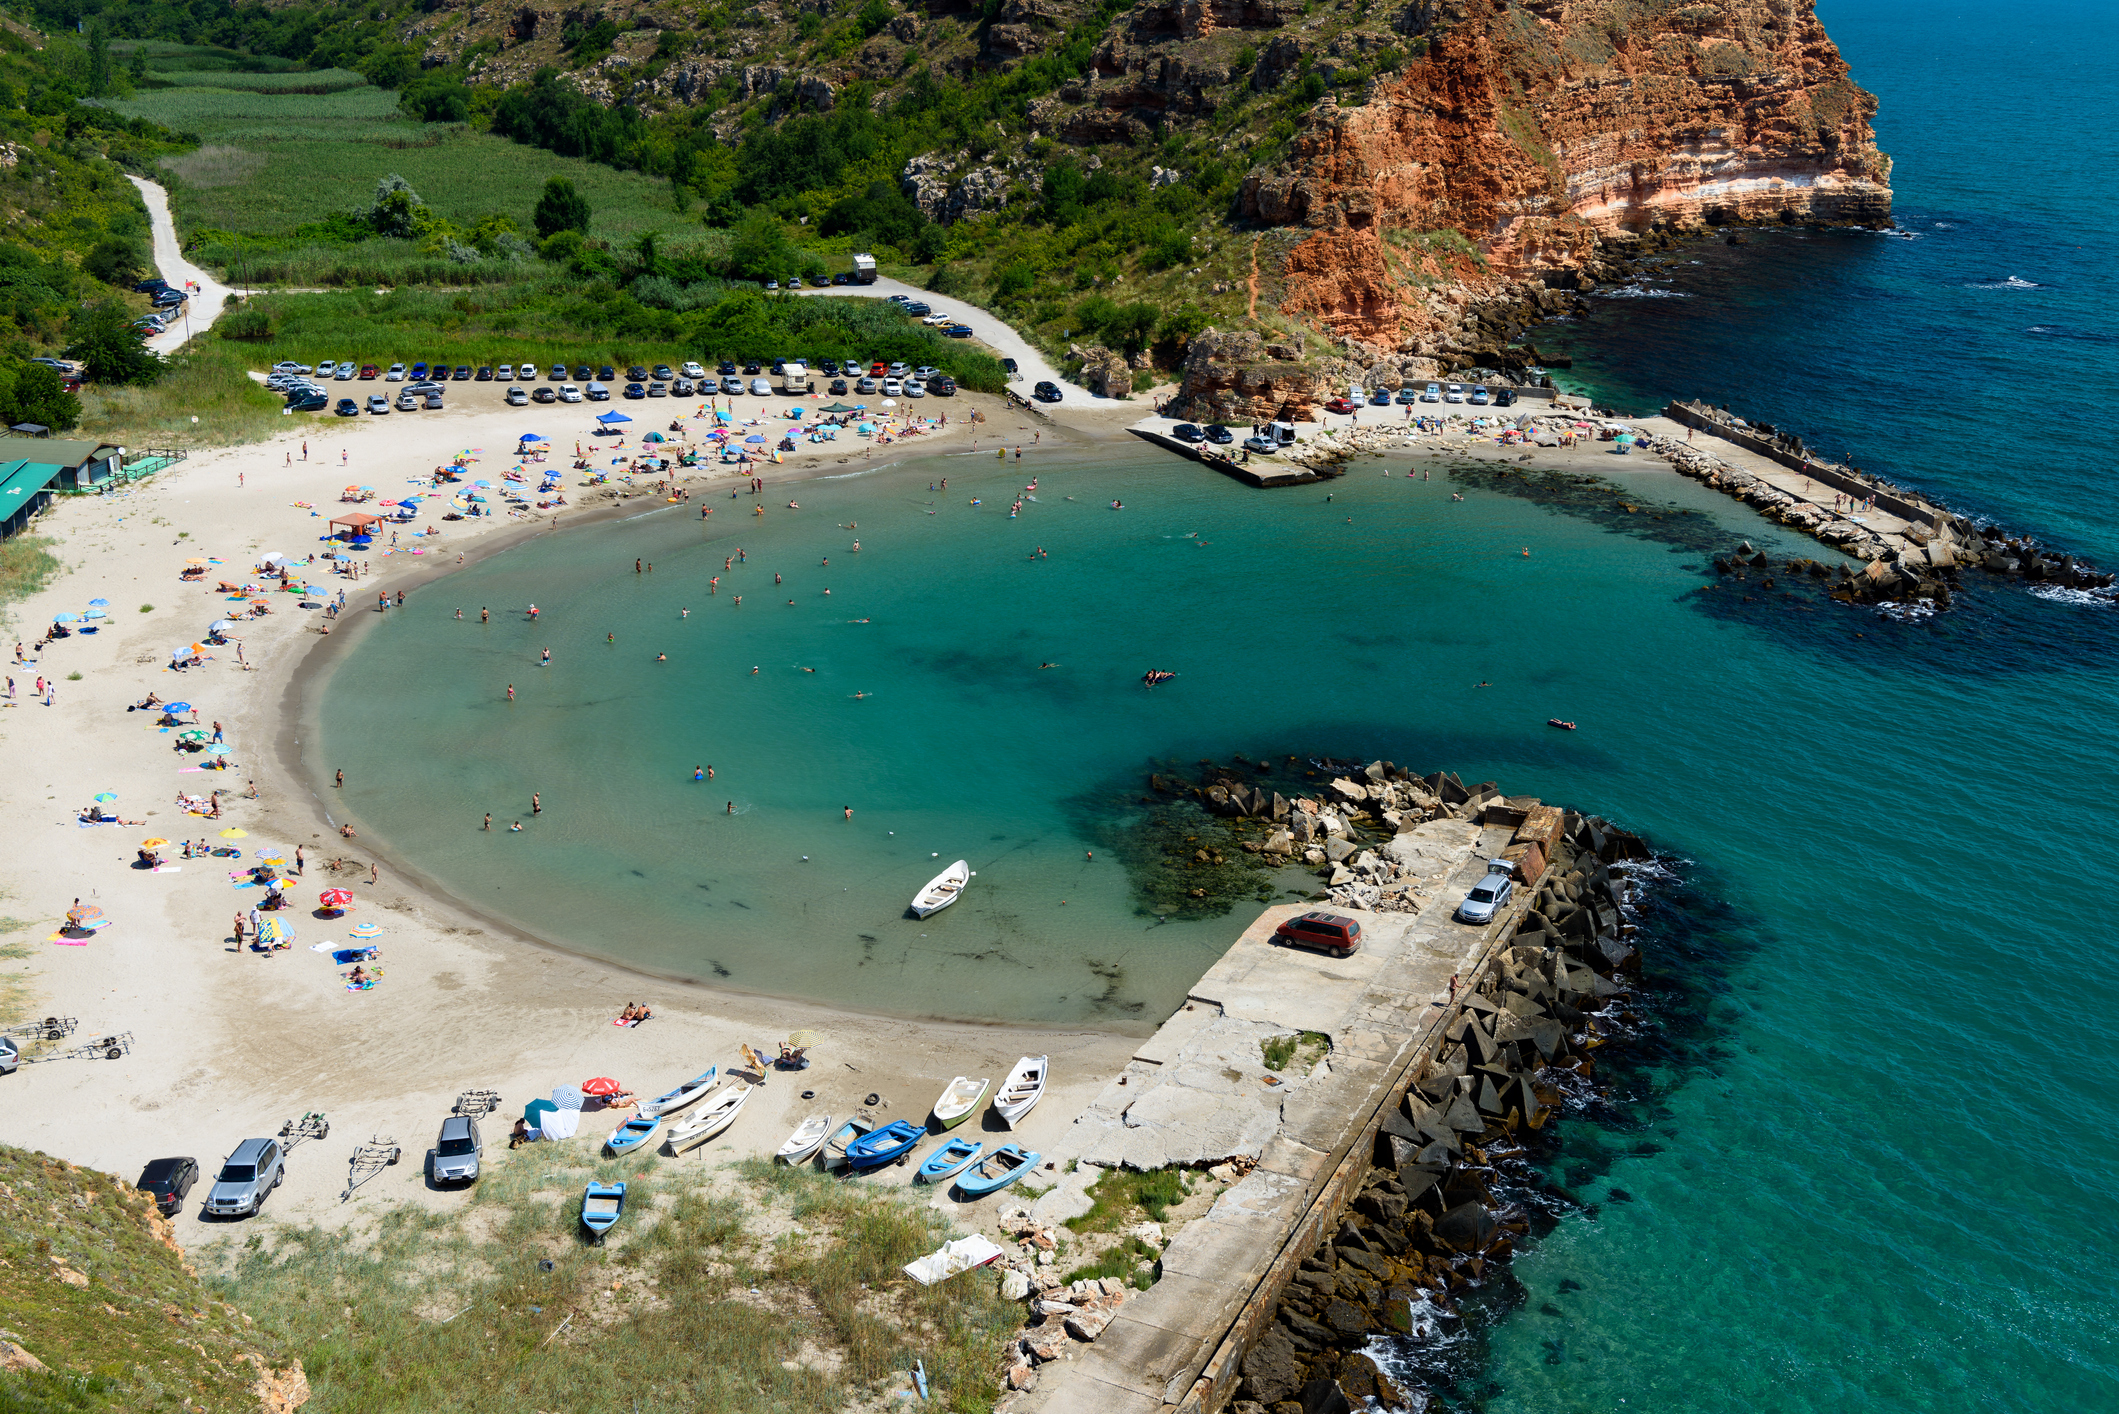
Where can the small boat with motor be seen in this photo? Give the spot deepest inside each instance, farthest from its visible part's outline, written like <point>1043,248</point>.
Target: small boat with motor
<point>1556,722</point>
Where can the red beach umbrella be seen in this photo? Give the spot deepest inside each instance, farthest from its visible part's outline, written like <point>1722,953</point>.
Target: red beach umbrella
<point>335,898</point>
<point>601,1085</point>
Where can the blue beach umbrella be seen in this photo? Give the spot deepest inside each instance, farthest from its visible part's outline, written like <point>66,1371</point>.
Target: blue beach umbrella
<point>362,540</point>
<point>754,438</point>
<point>531,437</point>
<point>66,618</point>
<point>99,603</point>
<point>481,483</point>
<point>220,748</point>
<point>95,614</point>
<point>176,706</point>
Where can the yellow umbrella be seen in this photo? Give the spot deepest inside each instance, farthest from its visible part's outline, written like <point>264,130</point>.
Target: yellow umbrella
<point>231,833</point>
<point>275,863</point>
<point>155,843</point>
<point>194,562</point>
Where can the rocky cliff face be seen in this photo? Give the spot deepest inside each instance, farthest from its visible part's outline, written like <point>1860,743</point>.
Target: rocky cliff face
<point>1540,130</point>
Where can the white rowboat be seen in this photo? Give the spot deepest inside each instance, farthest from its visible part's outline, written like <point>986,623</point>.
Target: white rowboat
<point>683,1095</point>
<point>806,1140</point>
<point>959,1100</point>
<point>942,890</point>
<point>1024,1087</point>
<point>717,1114</point>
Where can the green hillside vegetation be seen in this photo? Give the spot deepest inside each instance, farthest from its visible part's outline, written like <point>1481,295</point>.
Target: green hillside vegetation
<point>112,1313</point>
<point>771,1290</point>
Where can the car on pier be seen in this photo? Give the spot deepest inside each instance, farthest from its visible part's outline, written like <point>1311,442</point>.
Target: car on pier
<point>1187,432</point>
<point>1219,435</point>
<point>1332,933</point>
<point>1264,446</point>
<point>1490,895</point>
<point>1342,406</point>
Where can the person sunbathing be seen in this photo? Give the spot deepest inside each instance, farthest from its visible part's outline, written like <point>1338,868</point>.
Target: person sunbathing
<point>358,977</point>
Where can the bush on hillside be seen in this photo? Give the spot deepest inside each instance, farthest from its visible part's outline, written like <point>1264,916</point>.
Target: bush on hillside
<point>33,392</point>
<point>561,208</point>
<point>108,348</point>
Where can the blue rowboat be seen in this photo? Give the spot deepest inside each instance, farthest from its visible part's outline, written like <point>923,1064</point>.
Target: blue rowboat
<point>602,1204</point>
<point>950,1160</point>
<point>1001,1168</point>
<point>884,1146</point>
<point>633,1133</point>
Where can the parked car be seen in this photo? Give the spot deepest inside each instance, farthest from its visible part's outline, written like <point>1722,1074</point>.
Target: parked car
<point>842,278</point>
<point>731,385</point>
<point>285,365</point>
<point>419,370</point>
<point>409,401</point>
<point>544,394</point>
<point>168,299</point>
<point>1013,371</point>
<point>568,393</point>
<point>10,1055</point>
<point>837,388</point>
<point>457,1151</point>
<point>167,1181</point>
<point>1453,393</point>
<point>691,369</point>
<point>1342,406</point>
<point>247,1175</point>
<point>1186,432</point>
<point>463,372</point>
<point>1408,395</point>
<point>606,374</point>
<point>1264,446</point>
<point>772,284</point>
<point>1489,896</point>
<point>828,367</point>
<point>914,388</point>
<point>598,393</point>
<point>485,373</point>
<point>379,405</point>
<point>1380,398</point>
<point>505,373</point>
<point>761,388</point>
<point>636,374</point>
<point>433,400</point>
<point>1046,392</point>
<point>1219,435</point>
<point>1432,393</point>
<point>308,402</point>
<point>635,390</point>
<point>943,387</point>
<point>1480,397</point>
<point>1333,933</point>
<point>794,282</point>
<point>518,397</point>
<point>892,388</point>
<point>346,407</point>
<point>582,373</point>
<point>345,372</point>
<point>725,367</point>
<point>153,284</point>
<point>559,373</point>
<point>369,370</point>
<point>658,390</point>
<point>396,374</point>
<point>664,372</point>
<point>919,309</point>
<point>958,331</point>
<point>1504,397</point>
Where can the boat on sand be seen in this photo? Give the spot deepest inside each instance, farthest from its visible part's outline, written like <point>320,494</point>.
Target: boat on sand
<point>808,1137</point>
<point>958,1101</point>
<point>951,1159</point>
<point>1023,1087</point>
<point>833,1155</point>
<point>717,1114</point>
<point>683,1095</point>
<point>1002,1167</point>
<point>942,890</point>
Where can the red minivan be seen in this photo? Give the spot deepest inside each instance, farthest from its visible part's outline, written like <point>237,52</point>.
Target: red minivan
<point>1326,932</point>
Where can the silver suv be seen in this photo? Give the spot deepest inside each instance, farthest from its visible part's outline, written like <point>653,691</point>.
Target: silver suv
<point>246,1177</point>
<point>456,1151</point>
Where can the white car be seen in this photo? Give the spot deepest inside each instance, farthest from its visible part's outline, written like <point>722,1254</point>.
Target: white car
<point>761,387</point>
<point>892,388</point>
<point>692,370</point>
<point>568,393</point>
<point>396,374</point>
<point>939,319</point>
<point>408,401</point>
<point>288,365</point>
<point>1432,393</point>
<point>518,397</point>
<point>1454,393</point>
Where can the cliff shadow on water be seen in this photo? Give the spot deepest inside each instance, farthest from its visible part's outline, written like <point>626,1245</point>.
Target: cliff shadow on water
<point>1985,625</point>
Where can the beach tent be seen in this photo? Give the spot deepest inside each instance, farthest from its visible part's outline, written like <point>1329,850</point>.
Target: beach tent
<point>613,418</point>
<point>355,522</point>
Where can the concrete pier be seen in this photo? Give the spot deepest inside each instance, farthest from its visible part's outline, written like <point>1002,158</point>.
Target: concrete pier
<point>1198,1092</point>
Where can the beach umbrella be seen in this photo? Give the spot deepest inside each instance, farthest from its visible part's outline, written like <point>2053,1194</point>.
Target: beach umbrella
<point>410,505</point>
<point>368,930</point>
<point>535,1111</point>
<point>219,748</point>
<point>801,1039</point>
<point>482,483</point>
<point>156,843</point>
<point>566,1097</point>
<point>752,439</point>
<point>275,930</point>
<point>99,603</point>
<point>531,437</point>
<point>601,1085</point>
<point>195,562</point>
<point>176,706</point>
<point>335,898</point>
<point>66,618</point>
<point>83,913</point>
<point>220,626</point>
<point>106,797</point>
<point>232,833</point>
<point>94,614</point>
<point>362,540</point>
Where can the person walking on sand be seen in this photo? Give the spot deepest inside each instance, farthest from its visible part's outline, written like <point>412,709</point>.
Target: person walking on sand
<point>300,867</point>
<point>374,874</point>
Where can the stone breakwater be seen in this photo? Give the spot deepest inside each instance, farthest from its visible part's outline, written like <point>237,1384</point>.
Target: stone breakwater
<point>1427,1222</point>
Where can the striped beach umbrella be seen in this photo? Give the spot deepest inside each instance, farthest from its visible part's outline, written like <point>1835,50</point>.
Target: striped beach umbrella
<point>275,930</point>
<point>368,930</point>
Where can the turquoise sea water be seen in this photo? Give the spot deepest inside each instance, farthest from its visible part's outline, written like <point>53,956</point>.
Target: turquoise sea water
<point>1859,1157</point>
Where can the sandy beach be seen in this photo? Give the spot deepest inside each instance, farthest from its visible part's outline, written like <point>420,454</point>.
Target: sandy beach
<point>228,1043</point>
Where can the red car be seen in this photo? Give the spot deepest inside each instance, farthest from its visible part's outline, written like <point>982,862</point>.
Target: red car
<point>369,370</point>
<point>1326,932</point>
<point>1342,405</point>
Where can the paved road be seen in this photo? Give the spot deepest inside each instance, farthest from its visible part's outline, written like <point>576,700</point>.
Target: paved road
<point>171,265</point>
<point>993,332</point>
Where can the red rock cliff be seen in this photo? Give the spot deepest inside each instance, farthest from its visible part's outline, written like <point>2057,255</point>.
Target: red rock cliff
<point>1536,130</point>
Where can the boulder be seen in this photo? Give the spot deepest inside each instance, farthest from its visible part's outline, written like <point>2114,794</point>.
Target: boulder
<point>1045,1343</point>
<point>1087,1325</point>
<point>1014,1286</point>
<point>1338,850</point>
<point>1270,1371</point>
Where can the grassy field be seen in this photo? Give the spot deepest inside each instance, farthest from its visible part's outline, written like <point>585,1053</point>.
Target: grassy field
<point>164,57</point>
<point>318,81</point>
<point>765,1289</point>
<point>215,111</point>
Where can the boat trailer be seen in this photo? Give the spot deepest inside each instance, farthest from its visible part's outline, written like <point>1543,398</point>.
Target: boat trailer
<point>370,1159</point>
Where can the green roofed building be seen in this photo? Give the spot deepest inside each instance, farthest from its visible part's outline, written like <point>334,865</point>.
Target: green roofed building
<point>25,489</point>
<point>81,464</point>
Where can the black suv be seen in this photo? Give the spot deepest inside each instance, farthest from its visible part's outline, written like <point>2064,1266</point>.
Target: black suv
<point>1046,393</point>
<point>167,1181</point>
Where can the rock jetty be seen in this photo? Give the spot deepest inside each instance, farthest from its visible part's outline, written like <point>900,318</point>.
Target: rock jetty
<point>1427,1222</point>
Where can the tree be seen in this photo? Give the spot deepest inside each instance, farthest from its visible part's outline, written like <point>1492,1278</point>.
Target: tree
<point>398,210</point>
<point>115,261</point>
<point>436,100</point>
<point>99,69</point>
<point>561,208</point>
<point>761,250</point>
<point>31,392</point>
<point>109,348</point>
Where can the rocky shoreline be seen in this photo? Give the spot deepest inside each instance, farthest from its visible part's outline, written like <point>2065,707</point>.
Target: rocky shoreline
<point>1427,1226</point>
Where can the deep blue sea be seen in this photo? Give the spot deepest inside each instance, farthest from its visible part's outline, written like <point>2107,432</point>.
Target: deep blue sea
<point>1859,1157</point>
